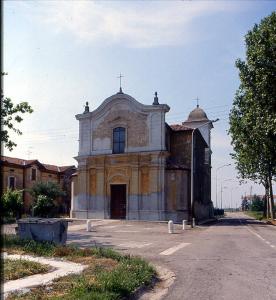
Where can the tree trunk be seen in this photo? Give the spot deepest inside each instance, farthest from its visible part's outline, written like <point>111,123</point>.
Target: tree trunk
<point>265,205</point>
<point>271,200</point>
<point>267,199</point>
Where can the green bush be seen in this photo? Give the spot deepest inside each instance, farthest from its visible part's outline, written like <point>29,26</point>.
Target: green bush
<point>49,189</point>
<point>218,212</point>
<point>44,206</point>
<point>45,194</point>
<point>12,204</point>
<point>257,204</point>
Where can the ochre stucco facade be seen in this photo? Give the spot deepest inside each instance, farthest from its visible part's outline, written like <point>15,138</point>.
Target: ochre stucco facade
<point>150,179</point>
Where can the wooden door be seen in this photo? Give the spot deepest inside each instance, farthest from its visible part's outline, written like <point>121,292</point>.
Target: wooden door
<point>118,201</point>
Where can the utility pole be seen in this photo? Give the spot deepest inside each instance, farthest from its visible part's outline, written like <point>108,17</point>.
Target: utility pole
<point>231,200</point>
<point>221,196</point>
<point>221,188</point>
<point>1,167</point>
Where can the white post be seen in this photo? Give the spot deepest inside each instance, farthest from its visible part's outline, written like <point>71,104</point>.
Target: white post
<point>170,226</point>
<point>193,223</point>
<point>89,225</point>
<point>184,224</point>
<point>72,198</point>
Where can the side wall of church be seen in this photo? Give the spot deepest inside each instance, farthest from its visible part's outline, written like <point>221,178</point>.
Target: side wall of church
<point>177,193</point>
<point>178,181</point>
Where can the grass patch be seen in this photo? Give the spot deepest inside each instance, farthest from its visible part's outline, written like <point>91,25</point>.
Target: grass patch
<point>19,268</point>
<point>109,275</point>
<point>258,215</point>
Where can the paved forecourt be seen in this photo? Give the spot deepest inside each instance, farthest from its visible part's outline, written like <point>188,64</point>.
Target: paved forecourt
<point>151,238</point>
<point>234,258</point>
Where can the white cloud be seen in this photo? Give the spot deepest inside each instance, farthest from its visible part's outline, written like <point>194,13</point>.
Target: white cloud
<point>133,24</point>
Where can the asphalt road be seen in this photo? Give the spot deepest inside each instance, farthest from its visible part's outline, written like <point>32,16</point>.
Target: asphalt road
<point>233,259</point>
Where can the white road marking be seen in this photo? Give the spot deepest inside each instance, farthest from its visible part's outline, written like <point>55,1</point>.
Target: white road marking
<point>128,231</point>
<point>134,245</point>
<point>111,226</point>
<point>174,249</point>
<point>257,235</point>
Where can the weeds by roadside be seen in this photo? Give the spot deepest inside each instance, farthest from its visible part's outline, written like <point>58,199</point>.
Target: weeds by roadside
<point>19,268</point>
<point>109,274</point>
<point>259,215</point>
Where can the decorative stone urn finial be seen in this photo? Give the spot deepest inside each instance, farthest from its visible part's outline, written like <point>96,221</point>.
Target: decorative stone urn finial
<point>155,102</point>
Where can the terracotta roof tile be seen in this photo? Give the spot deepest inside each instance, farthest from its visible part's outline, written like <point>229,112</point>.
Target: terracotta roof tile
<point>179,127</point>
<point>65,168</point>
<point>25,162</point>
<point>51,167</point>
<point>16,161</point>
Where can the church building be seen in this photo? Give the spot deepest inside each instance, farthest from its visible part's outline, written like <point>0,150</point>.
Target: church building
<point>133,165</point>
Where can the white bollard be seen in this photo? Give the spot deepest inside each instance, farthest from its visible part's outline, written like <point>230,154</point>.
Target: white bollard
<point>170,226</point>
<point>89,225</point>
<point>184,224</point>
<point>193,221</point>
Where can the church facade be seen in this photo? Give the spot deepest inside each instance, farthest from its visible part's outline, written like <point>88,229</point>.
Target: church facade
<point>133,165</point>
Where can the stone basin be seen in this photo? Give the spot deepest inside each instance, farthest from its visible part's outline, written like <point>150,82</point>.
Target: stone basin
<point>43,229</point>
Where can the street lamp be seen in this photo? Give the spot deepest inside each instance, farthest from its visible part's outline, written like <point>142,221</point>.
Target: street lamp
<point>231,201</point>
<point>192,164</point>
<point>225,187</point>
<point>221,188</point>
<point>217,181</point>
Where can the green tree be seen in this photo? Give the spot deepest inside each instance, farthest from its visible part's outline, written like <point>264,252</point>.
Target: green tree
<point>44,206</point>
<point>49,189</point>
<point>257,204</point>
<point>11,114</point>
<point>253,115</point>
<point>12,203</point>
<point>45,194</point>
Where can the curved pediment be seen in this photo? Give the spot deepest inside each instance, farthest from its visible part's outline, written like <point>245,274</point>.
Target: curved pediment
<point>120,102</point>
<point>144,125</point>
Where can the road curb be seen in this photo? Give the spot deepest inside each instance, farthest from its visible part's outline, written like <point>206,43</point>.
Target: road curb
<point>270,222</point>
<point>160,285</point>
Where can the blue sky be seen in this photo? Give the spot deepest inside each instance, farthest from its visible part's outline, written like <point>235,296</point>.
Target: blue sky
<point>60,54</point>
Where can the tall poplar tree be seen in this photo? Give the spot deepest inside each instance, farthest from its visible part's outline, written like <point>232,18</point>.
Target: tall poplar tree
<point>253,115</point>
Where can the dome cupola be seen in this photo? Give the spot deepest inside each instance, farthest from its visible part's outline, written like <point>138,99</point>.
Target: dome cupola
<point>197,115</point>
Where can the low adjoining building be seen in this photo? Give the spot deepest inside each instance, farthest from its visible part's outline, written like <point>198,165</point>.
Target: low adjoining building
<point>22,174</point>
<point>133,165</point>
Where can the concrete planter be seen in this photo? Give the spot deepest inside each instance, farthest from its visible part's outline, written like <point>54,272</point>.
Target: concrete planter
<point>43,229</point>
